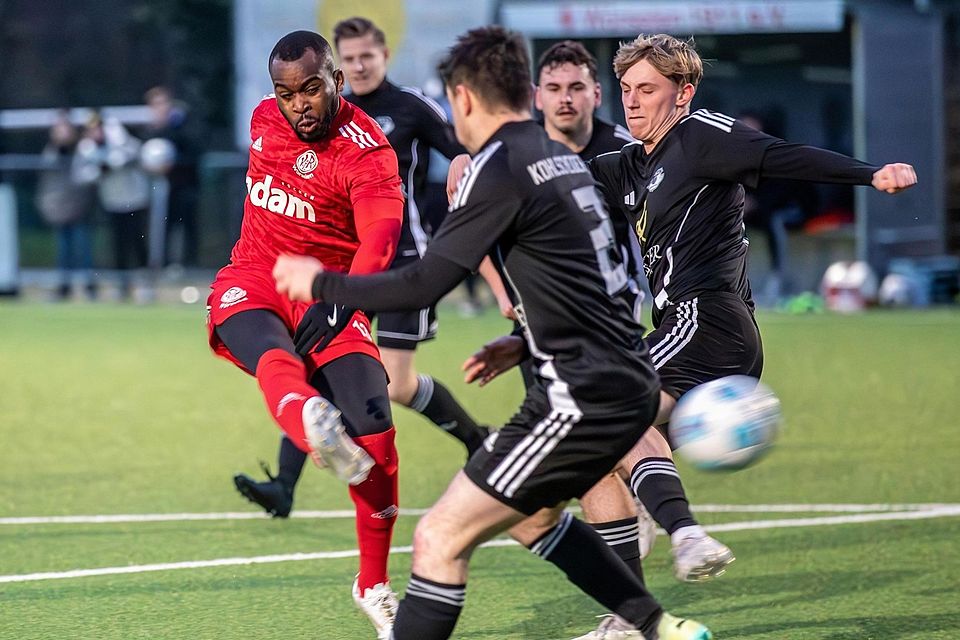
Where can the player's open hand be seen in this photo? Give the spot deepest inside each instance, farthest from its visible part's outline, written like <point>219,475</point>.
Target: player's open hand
<point>893,178</point>
<point>294,276</point>
<point>494,358</point>
<point>457,168</point>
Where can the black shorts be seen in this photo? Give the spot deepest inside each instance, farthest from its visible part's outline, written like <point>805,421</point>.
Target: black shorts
<point>707,337</point>
<point>406,329</point>
<point>551,452</point>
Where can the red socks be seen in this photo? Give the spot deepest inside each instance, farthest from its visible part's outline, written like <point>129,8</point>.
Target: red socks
<point>376,504</point>
<point>283,379</point>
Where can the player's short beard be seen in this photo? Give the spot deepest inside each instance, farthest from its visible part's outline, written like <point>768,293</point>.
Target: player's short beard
<point>323,127</point>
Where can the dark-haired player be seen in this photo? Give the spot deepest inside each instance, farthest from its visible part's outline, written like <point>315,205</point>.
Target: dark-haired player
<point>530,204</point>
<point>413,124</point>
<point>321,181</point>
<point>568,94</point>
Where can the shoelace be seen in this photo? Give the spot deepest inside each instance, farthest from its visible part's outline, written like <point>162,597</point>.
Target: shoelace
<point>266,469</point>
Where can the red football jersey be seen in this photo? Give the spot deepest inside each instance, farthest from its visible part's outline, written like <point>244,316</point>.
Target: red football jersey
<point>300,195</point>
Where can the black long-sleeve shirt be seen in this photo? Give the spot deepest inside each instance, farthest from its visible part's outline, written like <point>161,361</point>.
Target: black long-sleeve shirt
<point>684,200</point>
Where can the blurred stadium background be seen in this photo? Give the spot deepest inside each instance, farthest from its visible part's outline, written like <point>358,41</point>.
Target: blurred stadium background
<point>878,79</point>
<point>102,413</point>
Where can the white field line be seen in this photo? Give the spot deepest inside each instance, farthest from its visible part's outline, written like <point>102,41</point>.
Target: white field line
<point>940,512</point>
<point>349,514</point>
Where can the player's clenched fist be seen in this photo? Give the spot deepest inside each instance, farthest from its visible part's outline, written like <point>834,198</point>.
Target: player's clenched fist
<point>294,276</point>
<point>894,177</point>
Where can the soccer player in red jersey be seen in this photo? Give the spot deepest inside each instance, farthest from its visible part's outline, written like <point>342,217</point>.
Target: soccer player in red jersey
<point>322,180</point>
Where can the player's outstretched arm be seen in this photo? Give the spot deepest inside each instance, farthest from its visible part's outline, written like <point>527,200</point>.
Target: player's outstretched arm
<point>894,178</point>
<point>494,358</point>
<point>411,287</point>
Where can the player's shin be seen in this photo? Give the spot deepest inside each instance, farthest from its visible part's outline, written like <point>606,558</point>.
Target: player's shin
<point>622,537</point>
<point>656,483</point>
<point>429,610</point>
<point>282,377</point>
<point>375,500</point>
<point>591,565</point>
<point>434,401</point>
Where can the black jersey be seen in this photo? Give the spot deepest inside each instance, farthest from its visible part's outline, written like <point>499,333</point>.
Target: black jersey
<point>606,137</point>
<point>531,204</point>
<point>685,199</point>
<point>413,124</point>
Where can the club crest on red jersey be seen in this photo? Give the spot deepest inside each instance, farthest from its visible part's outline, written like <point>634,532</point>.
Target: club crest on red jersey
<point>232,296</point>
<point>306,164</point>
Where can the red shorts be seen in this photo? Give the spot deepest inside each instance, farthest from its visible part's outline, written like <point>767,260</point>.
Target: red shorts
<point>242,288</point>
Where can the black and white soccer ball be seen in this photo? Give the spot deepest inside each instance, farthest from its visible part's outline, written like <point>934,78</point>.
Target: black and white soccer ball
<point>728,423</point>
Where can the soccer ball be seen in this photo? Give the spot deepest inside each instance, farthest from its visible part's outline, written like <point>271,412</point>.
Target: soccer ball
<point>726,423</point>
<point>896,290</point>
<point>157,155</point>
<point>849,286</point>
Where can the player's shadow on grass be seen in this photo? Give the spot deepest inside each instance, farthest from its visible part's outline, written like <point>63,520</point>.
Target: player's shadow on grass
<point>731,594</point>
<point>545,620</point>
<point>887,627</point>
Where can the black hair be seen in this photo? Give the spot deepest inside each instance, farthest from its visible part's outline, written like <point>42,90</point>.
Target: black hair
<point>293,45</point>
<point>568,51</point>
<point>493,62</point>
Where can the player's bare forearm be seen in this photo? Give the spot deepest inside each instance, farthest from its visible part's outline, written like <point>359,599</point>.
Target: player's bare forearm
<point>495,282</point>
<point>494,358</point>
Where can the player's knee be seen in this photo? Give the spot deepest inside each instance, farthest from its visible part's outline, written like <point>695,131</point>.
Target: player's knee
<point>403,388</point>
<point>441,539</point>
<point>370,418</point>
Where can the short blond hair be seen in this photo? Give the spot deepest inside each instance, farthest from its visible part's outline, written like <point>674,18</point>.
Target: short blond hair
<point>675,59</point>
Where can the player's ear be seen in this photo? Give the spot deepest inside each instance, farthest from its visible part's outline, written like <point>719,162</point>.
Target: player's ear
<point>685,95</point>
<point>537,102</point>
<point>386,53</point>
<point>464,98</point>
<point>597,94</point>
<point>338,80</point>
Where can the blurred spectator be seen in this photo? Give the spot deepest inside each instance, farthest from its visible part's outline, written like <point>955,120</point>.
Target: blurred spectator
<point>109,156</point>
<point>170,120</point>
<point>773,207</point>
<point>65,204</point>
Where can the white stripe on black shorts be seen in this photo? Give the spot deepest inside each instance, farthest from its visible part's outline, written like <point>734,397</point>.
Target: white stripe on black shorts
<point>707,337</point>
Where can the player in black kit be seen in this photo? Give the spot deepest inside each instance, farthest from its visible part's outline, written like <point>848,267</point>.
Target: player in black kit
<point>530,204</point>
<point>680,186</point>
<point>414,124</point>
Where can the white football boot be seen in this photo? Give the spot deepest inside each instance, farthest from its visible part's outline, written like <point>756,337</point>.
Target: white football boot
<point>380,604</point>
<point>613,627</point>
<point>330,446</point>
<point>697,556</point>
<point>647,532</point>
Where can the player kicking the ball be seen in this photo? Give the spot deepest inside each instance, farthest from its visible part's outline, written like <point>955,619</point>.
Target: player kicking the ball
<point>322,181</point>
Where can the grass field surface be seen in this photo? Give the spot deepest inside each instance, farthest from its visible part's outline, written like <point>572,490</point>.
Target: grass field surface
<point>850,529</point>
